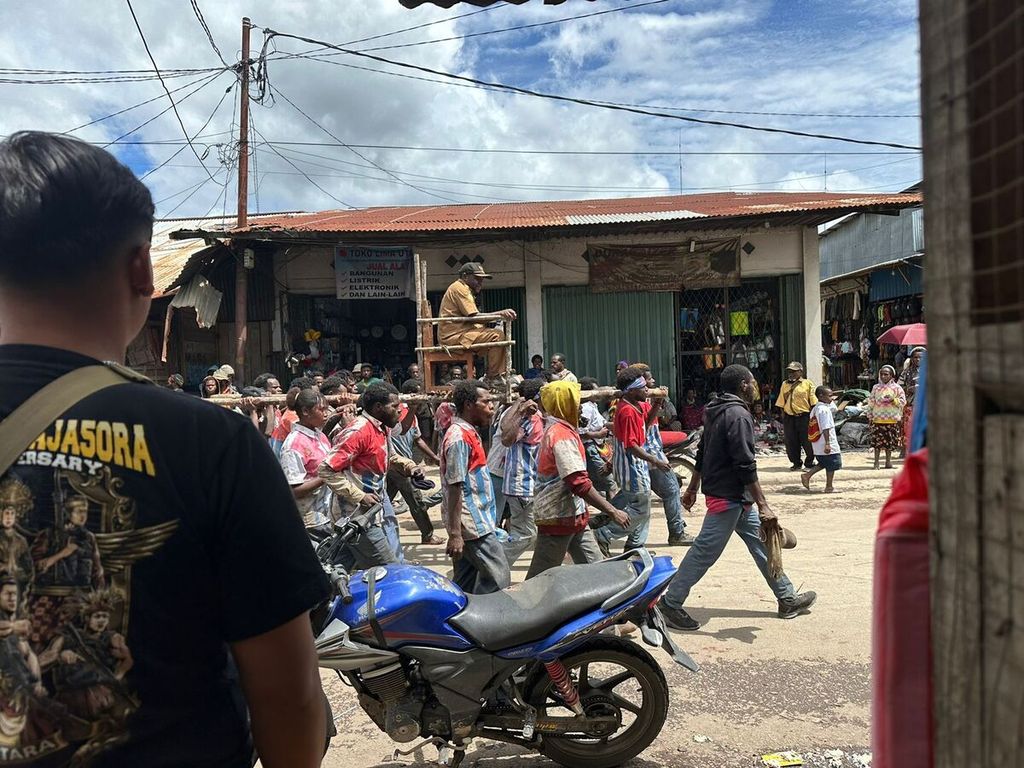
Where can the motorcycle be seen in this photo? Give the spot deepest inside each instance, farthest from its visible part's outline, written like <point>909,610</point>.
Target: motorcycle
<point>526,666</point>
<point>681,449</point>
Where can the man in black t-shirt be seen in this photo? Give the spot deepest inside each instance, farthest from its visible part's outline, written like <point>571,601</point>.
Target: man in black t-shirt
<point>167,603</point>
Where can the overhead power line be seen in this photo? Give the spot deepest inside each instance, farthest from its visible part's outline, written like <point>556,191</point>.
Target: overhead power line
<point>205,80</point>
<point>517,28</point>
<point>360,155</point>
<point>588,102</point>
<point>169,96</point>
<point>595,152</point>
<point>164,111</point>
<point>209,35</point>
<point>406,29</point>
<point>699,110</point>
<point>303,173</point>
<point>201,129</point>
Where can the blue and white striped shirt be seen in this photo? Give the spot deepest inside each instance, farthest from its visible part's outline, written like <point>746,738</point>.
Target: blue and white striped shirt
<point>521,459</point>
<point>463,461</point>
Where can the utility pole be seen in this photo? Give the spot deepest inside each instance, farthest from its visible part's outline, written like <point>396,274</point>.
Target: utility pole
<point>241,270</point>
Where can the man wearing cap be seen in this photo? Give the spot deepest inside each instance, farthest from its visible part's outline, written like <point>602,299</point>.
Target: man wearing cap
<point>460,301</point>
<point>796,399</point>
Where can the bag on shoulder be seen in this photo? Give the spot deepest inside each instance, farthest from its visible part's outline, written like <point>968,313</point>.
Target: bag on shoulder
<point>813,430</point>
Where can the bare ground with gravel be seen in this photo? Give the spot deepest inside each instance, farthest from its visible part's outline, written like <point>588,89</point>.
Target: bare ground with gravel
<point>765,685</point>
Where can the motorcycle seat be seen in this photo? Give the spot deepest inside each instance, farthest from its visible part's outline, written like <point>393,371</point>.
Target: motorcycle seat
<point>532,610</point>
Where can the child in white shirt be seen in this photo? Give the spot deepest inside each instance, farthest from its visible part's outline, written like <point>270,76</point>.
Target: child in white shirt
<point>822,432</point>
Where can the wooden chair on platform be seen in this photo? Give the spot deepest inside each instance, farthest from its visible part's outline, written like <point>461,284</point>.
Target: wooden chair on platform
<point>431,359</point>
<point>432,353</point>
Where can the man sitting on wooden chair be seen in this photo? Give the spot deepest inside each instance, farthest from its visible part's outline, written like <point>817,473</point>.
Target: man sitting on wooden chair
<point>460,301</point>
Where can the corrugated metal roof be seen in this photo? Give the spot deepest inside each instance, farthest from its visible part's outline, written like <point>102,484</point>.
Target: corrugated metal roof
<point>170,257</point>
<point>567,213</point>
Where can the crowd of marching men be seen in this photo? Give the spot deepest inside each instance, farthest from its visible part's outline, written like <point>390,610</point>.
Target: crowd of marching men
<point>513,476</point>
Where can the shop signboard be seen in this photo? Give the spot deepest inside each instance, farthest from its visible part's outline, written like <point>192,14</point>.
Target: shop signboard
<point>373,272</point>
<point>689,265</point>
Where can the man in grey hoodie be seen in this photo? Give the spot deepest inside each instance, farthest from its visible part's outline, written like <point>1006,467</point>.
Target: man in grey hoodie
<point>735,502</point>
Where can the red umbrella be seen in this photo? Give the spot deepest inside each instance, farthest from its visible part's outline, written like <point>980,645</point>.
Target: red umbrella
<point>913,335</point>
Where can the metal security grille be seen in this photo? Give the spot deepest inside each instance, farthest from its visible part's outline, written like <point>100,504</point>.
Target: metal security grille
<point>717,327</point>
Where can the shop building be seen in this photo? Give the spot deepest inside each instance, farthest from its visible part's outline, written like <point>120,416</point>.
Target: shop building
<point>686,283</point>
<point>872,278</point>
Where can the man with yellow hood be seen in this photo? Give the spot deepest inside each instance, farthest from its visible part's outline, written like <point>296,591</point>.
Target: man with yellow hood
<point>563,486</point>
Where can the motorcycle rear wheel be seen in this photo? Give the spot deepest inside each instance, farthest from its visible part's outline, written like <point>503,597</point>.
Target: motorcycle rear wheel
<point>604,695</point>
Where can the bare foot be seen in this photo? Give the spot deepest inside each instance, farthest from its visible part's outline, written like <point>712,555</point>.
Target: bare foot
<point>805,480</point>
<point>433,540</point>
<point>830,490</point>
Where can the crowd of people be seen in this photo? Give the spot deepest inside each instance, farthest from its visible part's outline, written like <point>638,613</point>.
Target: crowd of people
<point>548,471</point>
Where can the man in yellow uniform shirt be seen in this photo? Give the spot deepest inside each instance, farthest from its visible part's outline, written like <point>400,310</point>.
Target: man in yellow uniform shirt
<point>460,301</point>
<point>796,399</point>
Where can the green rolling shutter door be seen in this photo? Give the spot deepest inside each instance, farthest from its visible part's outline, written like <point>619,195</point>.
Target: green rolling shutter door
<point>791,322</point>
<point>596,330</point>
<point>494,299</point>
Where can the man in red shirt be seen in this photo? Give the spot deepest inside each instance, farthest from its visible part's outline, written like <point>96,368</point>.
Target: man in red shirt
<point>563,486</point>
<point>631,461</point>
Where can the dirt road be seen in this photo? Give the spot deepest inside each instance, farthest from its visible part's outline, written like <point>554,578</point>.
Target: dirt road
<point>765,684</point>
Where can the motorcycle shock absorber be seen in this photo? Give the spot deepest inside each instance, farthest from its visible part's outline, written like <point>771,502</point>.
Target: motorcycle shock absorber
<point>563,684</point>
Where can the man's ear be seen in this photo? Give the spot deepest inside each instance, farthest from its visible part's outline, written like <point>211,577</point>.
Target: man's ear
<point>140,270</point>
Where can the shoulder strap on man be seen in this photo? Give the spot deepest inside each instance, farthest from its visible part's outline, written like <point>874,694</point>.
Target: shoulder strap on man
<point>28,421</point>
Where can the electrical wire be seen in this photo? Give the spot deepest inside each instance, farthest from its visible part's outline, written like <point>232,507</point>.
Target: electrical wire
<point>164,111</point>
<point>515,28</point>
<point>571,188</point>
<point>358,154</point>
<point>209,35</point>
<point>699,110</point>
<point>170,98</point>
<point>590,103</point>
<point>628,152</point>
<point>182,147</point>
<point>209,79</point>
<point>401,31</point>
<point>307,177</point>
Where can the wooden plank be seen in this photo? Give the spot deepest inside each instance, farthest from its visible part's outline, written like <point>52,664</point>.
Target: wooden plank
<point>954,425</point>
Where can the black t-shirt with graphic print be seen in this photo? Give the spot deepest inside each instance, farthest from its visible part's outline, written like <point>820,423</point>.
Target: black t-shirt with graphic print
<point>139,535</point>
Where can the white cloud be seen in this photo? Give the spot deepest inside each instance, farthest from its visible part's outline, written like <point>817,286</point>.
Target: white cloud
<point>720,55</point>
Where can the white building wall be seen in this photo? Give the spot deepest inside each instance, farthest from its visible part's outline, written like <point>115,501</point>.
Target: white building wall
<point>533,264</point>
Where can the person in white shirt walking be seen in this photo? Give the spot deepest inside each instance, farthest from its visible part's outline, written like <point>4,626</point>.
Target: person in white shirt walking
<point>822,433</point>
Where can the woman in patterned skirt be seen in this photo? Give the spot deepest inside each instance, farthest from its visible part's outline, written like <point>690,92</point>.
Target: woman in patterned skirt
<point>885,414</point>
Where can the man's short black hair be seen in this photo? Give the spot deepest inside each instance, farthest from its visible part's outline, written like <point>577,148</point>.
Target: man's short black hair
<point>587,383</point>
<point>252,391</point>
<point>302,382</point>
<point>261,380</point>
<point>331,385</point>
<point>314,372</point>
<point>821,390</point>
<point>535,358</point>
<point>732,379</point>
<point>627,376</point>
<point>412,386</point>
<point>530,388</point>
<point>378,393</point>
<point>306,400</point>
<point>558,356</point>
<point>66,208</point>
<point>465,392</point>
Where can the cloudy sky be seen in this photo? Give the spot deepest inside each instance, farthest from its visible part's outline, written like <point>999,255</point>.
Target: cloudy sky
<point>816,66</point>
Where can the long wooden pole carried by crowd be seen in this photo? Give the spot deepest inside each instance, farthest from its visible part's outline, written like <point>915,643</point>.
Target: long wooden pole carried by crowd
<point>431,398</point>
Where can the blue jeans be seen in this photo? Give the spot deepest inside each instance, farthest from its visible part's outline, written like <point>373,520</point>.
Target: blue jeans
<point>666,487</point>
<point>710,544</point>
<point>638,507</point>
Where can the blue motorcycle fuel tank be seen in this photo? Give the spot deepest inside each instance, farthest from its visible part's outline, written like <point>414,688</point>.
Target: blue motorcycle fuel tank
<point>412,607</point>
